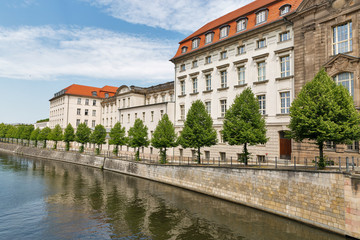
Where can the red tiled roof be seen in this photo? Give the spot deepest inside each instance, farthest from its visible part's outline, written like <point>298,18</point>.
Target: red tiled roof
<point>230,19</point>
<point>87,91</point>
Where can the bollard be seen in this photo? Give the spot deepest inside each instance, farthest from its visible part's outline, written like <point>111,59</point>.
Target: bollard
<point>231,161</point>
<point>347,164</point>
<point>275,162</point>
<point>259,162</point>
<point>294,162</point>
<point>219,161</point>
<point>353,164</point>
<point>339,164</point>
<point>305,163</point>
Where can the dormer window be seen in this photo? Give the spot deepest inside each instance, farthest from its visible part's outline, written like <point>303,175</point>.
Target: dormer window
<point>285,9</point>
<point>184,49</point>
<point>224,31</point>
<point>261,16</point>
<point>241,24</point>
<point>106,95</point>
<point>94,93</point>
<point>209,37</point>
<point>195,43</point>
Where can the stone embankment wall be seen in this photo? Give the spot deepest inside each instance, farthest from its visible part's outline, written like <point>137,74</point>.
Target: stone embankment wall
<point>328,200</point>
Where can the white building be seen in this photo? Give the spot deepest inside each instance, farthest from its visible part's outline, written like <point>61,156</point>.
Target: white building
<point>249,47</point>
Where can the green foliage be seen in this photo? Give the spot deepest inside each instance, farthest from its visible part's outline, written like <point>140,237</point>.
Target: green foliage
<point>56,135</point>
<point>164,137</point>
<point>34,136</point>
<point>69,136</point>
<point>117,137</point>
<point>98,137</point>
<point>19,131</point>
<point>198,129</point>
<point>44,135</point>
<point>82,135</point>
<point>3,130</point>
<point>42,120</point>
<point>11,131</point>
<point>323,112</point>
<point>26,133</point>
<point>243,123</point>
<point>138,136</point>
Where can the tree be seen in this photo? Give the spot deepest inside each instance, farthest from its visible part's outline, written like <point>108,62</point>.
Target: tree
<point>56,135</point>
<point>243,123</point>
<point>82,135</point>
<point>117,137</point>
<point>44,135</point>
<point>138,137</point>
<point>164,137</point>
<point>198,129</point>
<point>323,112</point>
<point>11,133</point>
<point>98,137</point>
<point>34,136</point>
<point>69,136</point>
<point>3,130</point>
<point>18,133</point>
<point>26,133</point>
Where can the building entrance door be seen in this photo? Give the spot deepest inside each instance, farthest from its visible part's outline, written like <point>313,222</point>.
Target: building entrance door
<point>285,146</point>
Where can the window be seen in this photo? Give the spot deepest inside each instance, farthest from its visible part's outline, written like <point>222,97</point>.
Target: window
<point>209,38</point>
<point>171,97</point>
<point>241,24</point>
<point>223,75</point>
<point>195,64</point>
<point>152,116</point>
<point>86,101</point>
<point>330,145</point>
<point>182,112</point>
<point>143,116</point>
<point>285,102</point>
<point>161,113</point>
<point>122,118</point>
<point>241,49</point>
<point>284,36</point>
<point>208,107</point>
<point>208,60</point>
<point>261,158</point>
<point>155,99</point>
<point>124,103</point>
<point>128,102</point>
<point>94,93</point>
<point>195,43</point>
<point>285,66</point>
<point>261,17</point>
<point>94,113</point>
<point>223,55</point>
<point>241,75</point>
<point>342,39</point>
<point>354,146</point>
<point>78,111</point>
<point>194,83</point>
<point>93,123</point>
<point>135,115</point>
<point>86,112</point>
<point>224,31</point>
<point>182,67</point>
<point>182,87</point>
<point>261,43</point>
<point>262,104</point>
<point>347,80</point>
<point>222,156</point>
<point>86,122</point>
<point>163,98</point>
<point>285,9</point>
<point>79,101</point>
<point>261,71</point>
<point>94,102</point>
<point>77,122</point>
<point>106,95</point>
<point>208,82</point>
<point>223,107</point>
<point>184,49</point>
<point>128,118</point>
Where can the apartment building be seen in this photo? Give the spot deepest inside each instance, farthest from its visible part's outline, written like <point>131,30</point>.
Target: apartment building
<point>252,46</point>
<point>78,104</point>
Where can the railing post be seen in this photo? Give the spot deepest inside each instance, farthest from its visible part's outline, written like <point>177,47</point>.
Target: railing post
<point>295,162</point>
<point>353,164</point>
<point>219,161</point>
<point>275,162</point>
<point>231,161</point>
<point>339,164</point>
<point>347,164</point>
<point>305,163</point>
<point>316,165</point>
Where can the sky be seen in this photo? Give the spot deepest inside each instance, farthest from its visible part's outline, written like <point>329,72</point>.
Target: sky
<point>47,45</point>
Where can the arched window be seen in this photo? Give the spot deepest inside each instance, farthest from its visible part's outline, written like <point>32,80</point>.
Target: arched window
<point>195,43</point>
<point>347,80</point>
<point>284,9</point>
<point>224,31</point>
<point>261,16</point>
<point>209,37</point>
<point>184,49</point>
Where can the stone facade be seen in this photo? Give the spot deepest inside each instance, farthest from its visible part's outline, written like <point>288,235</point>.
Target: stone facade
<point>316,46</point>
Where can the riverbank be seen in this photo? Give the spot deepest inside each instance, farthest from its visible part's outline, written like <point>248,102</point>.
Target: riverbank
<point>329,200</point>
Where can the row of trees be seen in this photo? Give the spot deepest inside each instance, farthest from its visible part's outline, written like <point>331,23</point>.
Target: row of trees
<point>323,111</point>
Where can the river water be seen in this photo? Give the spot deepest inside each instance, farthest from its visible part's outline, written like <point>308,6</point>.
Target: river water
<point>43,199</point>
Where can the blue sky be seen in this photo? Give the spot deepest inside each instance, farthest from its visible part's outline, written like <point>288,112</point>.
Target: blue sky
<point>47,45</point>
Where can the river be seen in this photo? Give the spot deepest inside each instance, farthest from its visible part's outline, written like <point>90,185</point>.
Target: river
<point>44,199</point>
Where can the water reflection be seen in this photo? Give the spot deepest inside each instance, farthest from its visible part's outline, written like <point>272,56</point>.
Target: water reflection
<point>70,201</point>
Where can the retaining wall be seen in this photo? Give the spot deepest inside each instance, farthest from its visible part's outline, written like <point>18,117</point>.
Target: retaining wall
<point>329,200</point>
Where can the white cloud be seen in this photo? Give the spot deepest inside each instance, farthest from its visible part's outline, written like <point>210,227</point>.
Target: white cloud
<point>48,53</point>
<point>183,16</point>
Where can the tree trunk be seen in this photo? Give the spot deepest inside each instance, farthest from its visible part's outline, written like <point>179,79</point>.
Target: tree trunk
<point>321,162</point>
<point>245,154</point>
<point>198,156</point>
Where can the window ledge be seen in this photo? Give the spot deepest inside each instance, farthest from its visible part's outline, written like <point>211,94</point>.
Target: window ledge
<point>284,78</point>
<point>194,67</point>
<point>279,42</point>
<point>223,89</point>
<point>283,114</point>
<point>260,48</point>
<point>182,95</point>
<point>240,85</point>
<point>221,118</point>
<point>181,120</point>
<point>239,54</point>
<point>208,91</point>
<point>260,82</point>
<point>182,70</point>
<point>222,59</point>
<point>195,93</point>
<point>207,63</point>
